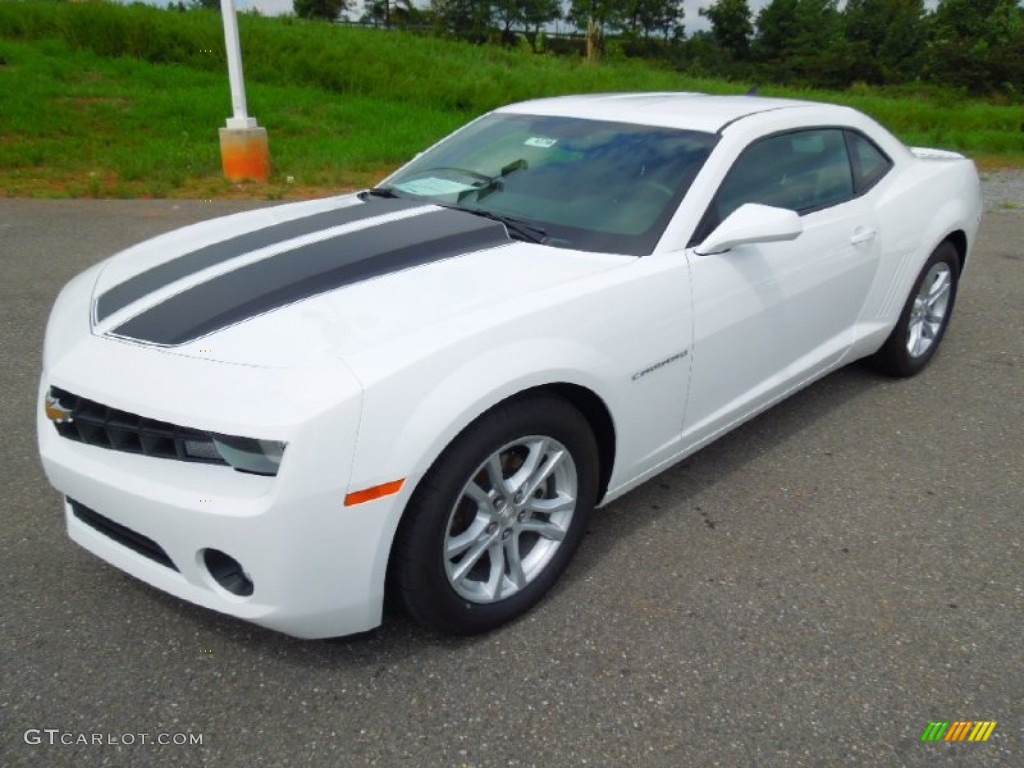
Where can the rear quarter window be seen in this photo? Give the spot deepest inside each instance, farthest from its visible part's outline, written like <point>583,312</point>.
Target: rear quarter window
<point>870,164</point>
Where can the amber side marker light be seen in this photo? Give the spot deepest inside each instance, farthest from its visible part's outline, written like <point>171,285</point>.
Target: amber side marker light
<point>377,492</point>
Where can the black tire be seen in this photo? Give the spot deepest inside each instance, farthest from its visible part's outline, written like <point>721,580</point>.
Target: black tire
<point>914,330</point>
<point>449,509</point>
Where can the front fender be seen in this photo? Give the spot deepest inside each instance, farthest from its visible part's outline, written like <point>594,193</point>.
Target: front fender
<point>623,337</point>
<point>401,434</point>
<point>409,439</point>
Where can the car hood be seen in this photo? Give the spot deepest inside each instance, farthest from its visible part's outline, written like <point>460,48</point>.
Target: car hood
<point>290,286</point>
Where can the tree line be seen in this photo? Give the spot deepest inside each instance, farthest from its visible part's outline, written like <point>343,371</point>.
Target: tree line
<point>972,45</point>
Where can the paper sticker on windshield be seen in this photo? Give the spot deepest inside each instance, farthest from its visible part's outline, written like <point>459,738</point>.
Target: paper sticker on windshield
<point>433,186</point>
<point>540,141</point>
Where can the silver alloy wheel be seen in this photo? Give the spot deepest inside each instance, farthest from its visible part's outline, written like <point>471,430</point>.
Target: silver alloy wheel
<point>929,311</point>
<point>510,518</point>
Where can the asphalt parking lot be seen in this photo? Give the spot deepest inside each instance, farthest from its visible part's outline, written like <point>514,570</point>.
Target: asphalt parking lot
<point>811,590</point>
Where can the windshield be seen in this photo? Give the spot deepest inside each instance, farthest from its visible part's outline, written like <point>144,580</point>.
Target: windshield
<point>587,184</point>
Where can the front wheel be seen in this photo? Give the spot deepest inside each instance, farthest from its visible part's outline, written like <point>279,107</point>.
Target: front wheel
<point>497,519</point>
<point>925,317</point>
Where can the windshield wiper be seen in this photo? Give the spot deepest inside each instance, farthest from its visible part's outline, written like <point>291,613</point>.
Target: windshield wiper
<point>380,192</point>
<point>493,184</point>
<point>517,228</point>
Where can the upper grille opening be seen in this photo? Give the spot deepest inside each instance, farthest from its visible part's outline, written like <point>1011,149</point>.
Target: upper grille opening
<point>97,424</point>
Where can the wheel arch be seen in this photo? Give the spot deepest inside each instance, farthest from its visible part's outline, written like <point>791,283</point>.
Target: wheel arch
<point>589,404</point>
<point>893,357</point>
<point>958,239</point>
<point>598,416</point>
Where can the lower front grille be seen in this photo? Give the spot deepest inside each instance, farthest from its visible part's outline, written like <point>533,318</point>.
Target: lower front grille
<point>126,537</point>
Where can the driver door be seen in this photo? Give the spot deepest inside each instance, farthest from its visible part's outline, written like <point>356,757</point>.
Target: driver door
<point>769,317</point>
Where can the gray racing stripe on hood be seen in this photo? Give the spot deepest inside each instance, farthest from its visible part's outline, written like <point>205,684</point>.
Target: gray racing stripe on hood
<point>311,270</point>
<point>162,275</point>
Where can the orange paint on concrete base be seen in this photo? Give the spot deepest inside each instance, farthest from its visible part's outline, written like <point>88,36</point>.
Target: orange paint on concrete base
<point>245,154</point>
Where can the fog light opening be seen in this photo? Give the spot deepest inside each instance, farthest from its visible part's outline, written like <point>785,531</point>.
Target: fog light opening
<point>227,572</point>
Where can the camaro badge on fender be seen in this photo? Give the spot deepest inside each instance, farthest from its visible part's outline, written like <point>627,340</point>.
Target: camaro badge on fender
<point>659,365</point>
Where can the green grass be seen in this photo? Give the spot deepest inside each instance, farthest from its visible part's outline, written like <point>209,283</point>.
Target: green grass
<point>123,128</point>
<point>108,100</point>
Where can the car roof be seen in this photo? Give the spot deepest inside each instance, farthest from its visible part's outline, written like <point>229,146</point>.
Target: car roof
<point>690,111</point>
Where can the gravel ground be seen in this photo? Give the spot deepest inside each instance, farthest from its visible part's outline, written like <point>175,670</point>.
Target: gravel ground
<point>1003,191</point>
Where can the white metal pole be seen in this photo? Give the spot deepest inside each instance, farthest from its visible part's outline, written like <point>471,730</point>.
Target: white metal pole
<point>240,119</point>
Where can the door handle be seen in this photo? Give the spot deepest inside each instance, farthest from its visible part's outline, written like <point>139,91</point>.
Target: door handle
<point>862,235</point>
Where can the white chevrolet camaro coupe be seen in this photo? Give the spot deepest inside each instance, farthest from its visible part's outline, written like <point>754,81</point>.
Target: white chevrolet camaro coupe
<point>427,387</point>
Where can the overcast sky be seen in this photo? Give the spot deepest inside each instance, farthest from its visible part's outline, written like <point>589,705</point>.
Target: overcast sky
<point>693,20</point>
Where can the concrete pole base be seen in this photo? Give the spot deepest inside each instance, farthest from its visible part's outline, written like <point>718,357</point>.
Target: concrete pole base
<point>245,154</point>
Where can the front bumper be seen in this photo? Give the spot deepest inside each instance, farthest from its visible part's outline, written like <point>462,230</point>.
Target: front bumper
<point>317,566</point>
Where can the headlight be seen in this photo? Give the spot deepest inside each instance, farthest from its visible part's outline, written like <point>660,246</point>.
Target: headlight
<point>246,454</point>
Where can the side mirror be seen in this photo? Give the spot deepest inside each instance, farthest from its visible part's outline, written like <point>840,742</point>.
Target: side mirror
<point>752,223</point>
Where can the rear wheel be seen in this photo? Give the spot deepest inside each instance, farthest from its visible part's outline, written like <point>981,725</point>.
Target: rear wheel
<point>497,519</point>
<point>925,317</point>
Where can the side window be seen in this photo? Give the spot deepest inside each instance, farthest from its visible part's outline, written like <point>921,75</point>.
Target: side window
<point>802,171</point>
<point>870,164</point>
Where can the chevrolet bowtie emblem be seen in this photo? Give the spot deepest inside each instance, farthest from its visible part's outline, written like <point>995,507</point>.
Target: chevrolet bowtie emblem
<point>56,412</point>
